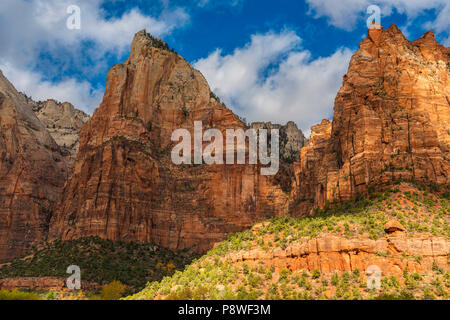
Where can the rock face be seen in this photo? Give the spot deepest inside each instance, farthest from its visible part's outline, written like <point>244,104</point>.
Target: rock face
<point>124,185</point>
<point>292,139</point>
<point>42,283</point>
<point>391,121</point>
<point>331,253</point>
<point>393,226</point>
<point>64,123</point>
<point>32,174</point>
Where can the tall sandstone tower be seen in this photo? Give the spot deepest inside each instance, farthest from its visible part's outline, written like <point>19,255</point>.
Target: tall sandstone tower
<point>124,185</point>
<point>391,121</point>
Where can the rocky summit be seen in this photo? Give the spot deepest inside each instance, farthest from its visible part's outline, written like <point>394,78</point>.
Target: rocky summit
<point>391,121</point>
<point>125,186</point>
<point>368,188</point>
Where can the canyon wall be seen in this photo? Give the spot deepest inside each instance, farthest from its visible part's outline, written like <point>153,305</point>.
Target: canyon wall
<point>64,122</point>
<point>32,174</point>
<point>125,186</point>
<point>391,121</point>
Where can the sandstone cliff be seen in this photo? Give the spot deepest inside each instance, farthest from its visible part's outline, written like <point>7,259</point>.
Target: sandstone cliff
<point>124,185</point>
<point>64,123</point>
<point>391,121</point>
<point>32,174</point>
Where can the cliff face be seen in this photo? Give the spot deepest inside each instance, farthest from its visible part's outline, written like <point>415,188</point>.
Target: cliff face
<point>391,121</point>
<point>292,139</point>
<point>64,122</point>
<point>124,185</point>
<point>32,174</point>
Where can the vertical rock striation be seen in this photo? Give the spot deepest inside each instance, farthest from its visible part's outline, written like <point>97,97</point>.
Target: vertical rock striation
<point>124,185</point>
<point>391,121</point>
<point>32,174</point>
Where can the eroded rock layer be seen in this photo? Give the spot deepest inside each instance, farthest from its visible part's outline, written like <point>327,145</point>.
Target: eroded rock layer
<point>42,284</point>
<point>332,253</point>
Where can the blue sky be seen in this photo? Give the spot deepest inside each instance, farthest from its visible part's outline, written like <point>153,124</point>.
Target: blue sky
<point>268,60</point>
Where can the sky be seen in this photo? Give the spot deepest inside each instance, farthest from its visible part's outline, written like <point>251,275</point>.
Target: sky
<point>267,60</point>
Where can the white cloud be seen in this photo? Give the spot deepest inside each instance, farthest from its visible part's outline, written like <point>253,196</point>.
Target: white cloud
<point>344,14</point>
<point>273,79</point>
<point>34,37</point>
<point>32,83</point>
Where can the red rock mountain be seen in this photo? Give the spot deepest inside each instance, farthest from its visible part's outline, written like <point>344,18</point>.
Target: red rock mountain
<point>64,123</point>
<point>32,174</point>
<point>391,121</point>
<point>124,185</point>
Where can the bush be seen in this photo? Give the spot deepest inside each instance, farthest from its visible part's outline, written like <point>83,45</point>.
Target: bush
<point>316,274</point>
<point>18,295</point>
<point>404,295</point>
<point>113,291</point>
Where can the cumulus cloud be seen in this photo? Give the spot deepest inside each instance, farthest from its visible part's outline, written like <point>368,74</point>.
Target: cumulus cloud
<point>81,93</point>
<point>34,37</point>
<point>273,79</point>
<point>344,14</point>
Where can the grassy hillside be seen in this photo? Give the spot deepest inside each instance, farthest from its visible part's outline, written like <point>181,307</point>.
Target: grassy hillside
<point>215,276</point>
<point>101,261</point>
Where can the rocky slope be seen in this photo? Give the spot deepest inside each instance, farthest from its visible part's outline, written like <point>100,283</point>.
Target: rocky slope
<point>391,121</point>
<point>64,122</point>
<point>32,174</point>
<point>403,233</point>
<point>100,261</point>
<point>124,185</point>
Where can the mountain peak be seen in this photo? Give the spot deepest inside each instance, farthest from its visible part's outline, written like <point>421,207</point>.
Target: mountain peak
<point>429,35</point>
<point>142,40</point>
<point>395,33</point>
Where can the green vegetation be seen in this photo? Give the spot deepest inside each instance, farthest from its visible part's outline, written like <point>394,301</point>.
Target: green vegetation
<point>18,295</point>
<point>214,96</point>
<point>215,276</point>
<point>354,217</point>
<point>101,261</point>
<point>158,43</point>
<point>113,291</point>
<point>128,267</point>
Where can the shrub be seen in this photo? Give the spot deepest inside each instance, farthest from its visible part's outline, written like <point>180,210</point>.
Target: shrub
<point>113,291</point>
<point>316,274</point>
<point>428,294</point>
<point>335,279</point>
<point>18,295</point>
